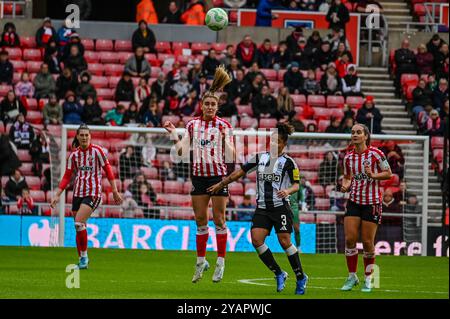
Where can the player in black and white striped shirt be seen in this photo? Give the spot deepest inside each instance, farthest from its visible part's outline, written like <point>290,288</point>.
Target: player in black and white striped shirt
<point>277,178</point>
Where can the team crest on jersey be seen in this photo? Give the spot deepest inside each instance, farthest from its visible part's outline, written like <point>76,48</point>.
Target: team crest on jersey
<point>367,162</point>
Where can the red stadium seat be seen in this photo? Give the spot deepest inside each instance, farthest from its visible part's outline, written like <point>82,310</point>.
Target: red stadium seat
<point>318,190</point>
<point>183,60</point>
<point>92,56</point>
<point>323,124</point>
<point>247,122</point>
<point>307,218</point>
<point>28,42</point>
<point>14,53</point>
<point>99,81</point>
<point>245,110</point>
<point>155,72</point>
<point>27,169</point>
<point>150,172</point>
<point>103,45</point>
<point>173,187</point>
<point>123,45</point>
<point>180,200</point>
<point>270,74</point>
<point>33,66</point>
<point>410,79</point>
<point>437,142</point>
<point>219,47</point>
<point>319,74</point>
<point>281,75</point>
<point>181,214</point>
<point>113,69</point>
<point>337,113</point>
<point>124,56</point>
<point>109,57</point>
<point>299,99</point>
<point>316,100</point>
<point>24,155</point>
<point>179,46</point>
<point>307,164</point>
<point>171,118</point>
<point>4,89</point>
<point>35,117</point>
<point>198,47</point>
<point>34,183</point>
<point>355,101</point>
<point>32,55</point>
<point>107,105</point>
<point>393,181</point>
<point>322,204</point>
<point>112,81</point>
<point>236,189</point>
<point>152,59</point>
<point>275,86</point>
<point>163,47</point>
<point>321,113</point>
<point>88,44</point>
<point>19,66</point>
<point>250,187</point>
<point>105,94</point>
<point>310,176</point>
<point>32,104</point>
<point>326,218</point>
<point>107,187</point>
<point>113,212</point>
<point>156,184</point>
<point>335,101</point>
<point>38,196</point>
<point>267,123</point>
<point>96,68</point>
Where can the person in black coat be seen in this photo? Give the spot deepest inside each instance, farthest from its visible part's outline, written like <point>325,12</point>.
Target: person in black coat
<point>9,161</point>
<point>21,133</point>
<point>265,55</point>
<point>131,115</point>
<point>405,60</point>
<point>303,55</point>
<point>73,41</point>
<point>75,61</point>
<point>10,107</point>
<point>174,15</point>
<point>52,60</point>
<point>9,37</point>
<point>323,56</point>
<point>161,87</point>
<point>6,69</point>
<point>67,81</point>
<point>292,39</point>
<point>46,33</point>
<point>227,108</point>
<point>239,89</point>
<point>331,83</point>
<point>314,41</point>
<point>125,88</point>
<point>338,15</point>
<point>144,37</point>
<point>293,79</point>
<point>15,185</point>
<point>264,104</point>
<point>210,63</point>
<point>370,116</point>
<point>92,112</point>
<point>282,57</point>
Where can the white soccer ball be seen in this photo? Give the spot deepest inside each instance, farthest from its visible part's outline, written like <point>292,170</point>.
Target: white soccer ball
<point>216,19</point>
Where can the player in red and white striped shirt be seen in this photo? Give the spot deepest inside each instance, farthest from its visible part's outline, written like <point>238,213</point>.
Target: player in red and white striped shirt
<point>212,146</point>
<point>87,162</point>
<point>364,167</point>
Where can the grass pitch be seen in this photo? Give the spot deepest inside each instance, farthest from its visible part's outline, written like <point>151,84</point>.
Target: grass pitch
<point>32,272</point>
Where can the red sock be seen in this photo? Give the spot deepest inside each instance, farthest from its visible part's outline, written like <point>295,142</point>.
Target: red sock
<point>369,259</point>
<point>221,238</point>
<point>352,259</point>
<point>202,240</point>
<point>82,241</point>
<point>78,244</point>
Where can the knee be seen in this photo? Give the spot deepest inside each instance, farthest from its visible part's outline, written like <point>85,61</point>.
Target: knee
<point>367,245</point>
<point>79,226</point>
<point>285,242</point>
<point>219,221</point>
<point>350,242</point>
<point>257,242</point>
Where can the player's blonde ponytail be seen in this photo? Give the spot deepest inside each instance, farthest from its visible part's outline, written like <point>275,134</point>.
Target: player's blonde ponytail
<point>221,78</point>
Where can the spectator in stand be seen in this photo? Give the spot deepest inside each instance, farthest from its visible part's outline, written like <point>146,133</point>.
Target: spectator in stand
<point>422,96</point>
<point>63,35</point>
<point>335,38</point>
<point>150,115</point>
<point>40,153</point>
<point>143,37</point>
<point>424,60</point>
<point>433,125</point>
<point>311,128</point>
<point>10,108</point>
<point>67,81</point>
<point>130,208</point>
<point>338,199</point>
<point>114,117</point>
<point>24,88</point>
<point>390,205</point>
<point>444,111</point>
<point>174,14</point>
<point>75,61</point>
<point>73,41</point>
<point>174,75</point>
<point>311,85</point>
<point>348,112</point>
<point>338,15</point>
<point>264,104</point>
<point>21,133</point>
<point>45,33</point>
<point>195,13</point>
<point>440,94</point>
<point>182,87</point>
<point>434,45</point>
<point>264,14</point>
<point>323,57</point>
<point>172,104</point>
<point>15,184</point>
<point>229,54</point>
<point>52,60</point>
<point>129,163</point>
<point>201,86</point>
<point>44,83</point>
<point>341,50</point>
<point>167,172</point>
<point>247,51</point>
<point>145,10</point>
<point>402,195</point>
<point>25,203</point>
<point>303,55</point>
<point>137,65</point>
<point>282,57</point>
<point>189,103</point>
<point>227,108</point>
<point>131,115</point>
<point>265,55</point>
<point>331,83</point>
<point>335,125</point>
<point>125,88</point>
<point>253,72</point>
<point>239,89</point>
<point>193,74</point>
<point>139,178</point>
<point>285,105</point>
<point>52,112</point>
<point>72,109</point>
<point>347,124</point>
<point>328,169</point>
<point>142,90</point>
<point>307,198</point>
<point>161,87</point>
<point>9,37</point>
<point>441,62</point>
<point>6,68</point>
<point>370,116</point>
<point>245,215</point>
<point>293,79</point>
<point>292,39</point>
<point>423,117</point>
<point>257,85</point>
<point>314,41</point>
<point>342,63</point>
<point>308,5</point>
<point>351,83</point>
<point>395,157</point>
<point>210,63</point>
<point>147,199</point>
<point>85,89</point>
<point>92,112</point>
<point>405,61</point>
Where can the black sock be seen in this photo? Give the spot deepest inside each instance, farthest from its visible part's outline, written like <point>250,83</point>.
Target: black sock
<point>269,261</point>
<point>296,265</point>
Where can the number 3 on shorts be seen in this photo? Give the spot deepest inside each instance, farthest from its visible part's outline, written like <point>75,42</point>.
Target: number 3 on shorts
<point>283,220</point>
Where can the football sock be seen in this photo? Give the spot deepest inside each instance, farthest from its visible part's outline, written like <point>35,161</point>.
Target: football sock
<point>369,261</point>
<point>266,256</point>
<point>294,260</point>
<point>221,238</point>
<point>81,239</point>
<point>201,240</point>
<point>351,254</point>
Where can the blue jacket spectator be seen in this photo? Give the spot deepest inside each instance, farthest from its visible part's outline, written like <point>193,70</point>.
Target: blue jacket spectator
<point>72,110</point>
<point>243,215</point>
<point>6,69</point>
<point>264,13</point>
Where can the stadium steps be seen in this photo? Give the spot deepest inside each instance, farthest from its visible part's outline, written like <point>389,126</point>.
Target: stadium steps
<point>397,14</point>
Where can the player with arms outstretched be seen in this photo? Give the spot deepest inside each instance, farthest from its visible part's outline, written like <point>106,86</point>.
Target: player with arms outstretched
<point>212,144</point>
<point>86,161</point>
<point>277,178</point>
<point>364,167</point>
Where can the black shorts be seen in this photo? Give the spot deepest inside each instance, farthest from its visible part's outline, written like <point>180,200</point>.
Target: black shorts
<point>369,213</point>
<point>201,184</point>
<point>279,217</point>
<point>92,202</point>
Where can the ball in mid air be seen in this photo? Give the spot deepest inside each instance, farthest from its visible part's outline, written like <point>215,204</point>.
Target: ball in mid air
<point>216,19</point>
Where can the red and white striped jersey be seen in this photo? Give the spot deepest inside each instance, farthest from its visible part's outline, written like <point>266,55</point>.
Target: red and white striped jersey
<point>364,190</point>
<point>88,165</point>
<point>208,146</point>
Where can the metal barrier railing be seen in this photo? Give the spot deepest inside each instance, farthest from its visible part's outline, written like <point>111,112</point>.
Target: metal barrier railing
<point>14,6</point>
<point>380,37</point>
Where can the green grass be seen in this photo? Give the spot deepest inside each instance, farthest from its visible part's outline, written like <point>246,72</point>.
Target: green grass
<point>40,273</point>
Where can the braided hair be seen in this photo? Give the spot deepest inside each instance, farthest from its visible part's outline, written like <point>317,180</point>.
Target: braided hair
<point>221,79</point>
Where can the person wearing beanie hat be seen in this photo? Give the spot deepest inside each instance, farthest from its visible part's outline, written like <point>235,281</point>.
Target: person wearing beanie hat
<point>72,109</point>
<point>370,116</point>
<point>293,79</point>
<point>85,88</point>
<point>351,83</point>
<point>331,83</point>
<point>65,82</point>
<point>125,88</point>
<point>292,39</point>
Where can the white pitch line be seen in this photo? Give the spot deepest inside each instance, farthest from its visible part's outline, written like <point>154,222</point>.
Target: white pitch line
<point>251,282</point>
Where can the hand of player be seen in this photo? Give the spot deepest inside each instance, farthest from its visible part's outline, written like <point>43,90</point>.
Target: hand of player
<point>117,198</point>
<point>215,188</point>
<point>54,201</point>
<point>283,193</point>
<point>368,170</point>
<point>345,187</point>
<point>169,127</point>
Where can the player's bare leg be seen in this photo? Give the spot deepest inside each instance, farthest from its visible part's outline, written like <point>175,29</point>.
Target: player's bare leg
<point>351,230</point>
<point>81,218</point>
<point>200,206</point>
<point>258,240</point>
<point>368,232</point>
<point>219,204</point>
<point>294,259</point>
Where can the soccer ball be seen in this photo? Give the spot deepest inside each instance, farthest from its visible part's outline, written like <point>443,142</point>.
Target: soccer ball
<point>216,19</point>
